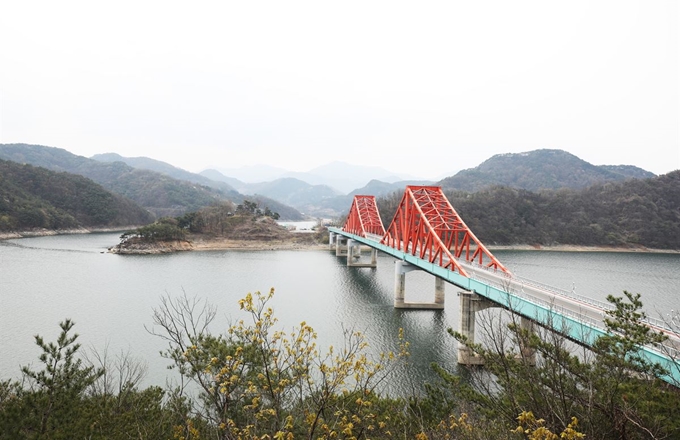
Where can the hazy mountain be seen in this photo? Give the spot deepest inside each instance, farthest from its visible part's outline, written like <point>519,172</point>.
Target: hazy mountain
<point>341,176</point>
<point>254,173</point>
<point>345,177</point>
<point>378,188</point>
<point>291,191</point>
<point>219,177</point>
<point>146,163</point>
<point>538,170</point>
<point>321,200</point>
<point>35,197</point>
<point>319,192</point>
<point>338,205</point>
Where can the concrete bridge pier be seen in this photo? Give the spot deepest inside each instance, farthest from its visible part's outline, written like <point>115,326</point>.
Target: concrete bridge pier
<point>354,255</point>
<point>401,268</point>
<point>331,240</point>
<point>470,303</point>
<point>341,246</point>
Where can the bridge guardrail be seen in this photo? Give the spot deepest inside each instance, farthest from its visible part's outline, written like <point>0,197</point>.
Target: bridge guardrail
<point>654,322</point>
<point>551,289</point>
<point>672,351</point>
<point>593,322</point>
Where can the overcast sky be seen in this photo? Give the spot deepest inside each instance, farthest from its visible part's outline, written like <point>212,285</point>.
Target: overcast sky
<point>419,88</point>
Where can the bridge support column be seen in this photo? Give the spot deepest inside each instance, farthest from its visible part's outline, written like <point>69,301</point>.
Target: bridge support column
<point>354,255</point>
<point>400,270</point>
<point>331,240</point>
<point>340,246</point>
<point>470,303</point>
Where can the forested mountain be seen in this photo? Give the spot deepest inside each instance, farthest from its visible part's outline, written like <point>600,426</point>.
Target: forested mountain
<point>160,193</point>
<point>538,170</point>
<point>34,197</point>
<point>636,212</point>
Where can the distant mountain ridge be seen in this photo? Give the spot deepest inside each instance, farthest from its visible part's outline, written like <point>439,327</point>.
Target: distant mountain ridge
<point>163,195</point>
<point>323,200</point>
<point>301,195</point>
<point>341,176</point>
<point>219,177</point>
<point>539,170</point>
<point>169,191</point>
<point>378,188</point>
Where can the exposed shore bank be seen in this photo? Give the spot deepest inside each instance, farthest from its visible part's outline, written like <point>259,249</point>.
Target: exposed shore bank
<point>49,232</point>
<point>214,244</point>
<point>581,248</point>
<point>253,245</point>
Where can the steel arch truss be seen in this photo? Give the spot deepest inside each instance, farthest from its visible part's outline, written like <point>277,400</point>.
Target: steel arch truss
<point>364,218</point>
<point>426,225</point>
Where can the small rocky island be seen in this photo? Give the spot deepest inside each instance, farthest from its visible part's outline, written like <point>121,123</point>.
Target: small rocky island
<point>218,227</point>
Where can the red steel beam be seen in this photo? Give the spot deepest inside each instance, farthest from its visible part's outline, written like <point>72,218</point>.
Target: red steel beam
<point>364,218</point>
<point>427,226</point>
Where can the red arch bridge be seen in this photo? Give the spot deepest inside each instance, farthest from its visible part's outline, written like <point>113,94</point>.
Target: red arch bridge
<point>427,234</point>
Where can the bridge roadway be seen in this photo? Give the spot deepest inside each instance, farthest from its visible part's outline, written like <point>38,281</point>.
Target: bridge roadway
<point>577,317</point>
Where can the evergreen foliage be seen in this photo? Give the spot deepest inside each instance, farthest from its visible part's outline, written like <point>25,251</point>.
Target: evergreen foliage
<point>613,391</point>
<point>258,381</point>
<point>165,229</point>
<point>66,400</point>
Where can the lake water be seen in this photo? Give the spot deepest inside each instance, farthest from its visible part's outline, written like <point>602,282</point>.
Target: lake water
<point>111,298</point>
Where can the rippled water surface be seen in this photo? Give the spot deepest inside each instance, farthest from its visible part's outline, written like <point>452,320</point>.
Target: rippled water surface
<point>111,297</point>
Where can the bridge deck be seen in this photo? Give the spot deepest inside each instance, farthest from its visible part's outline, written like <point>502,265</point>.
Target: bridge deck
<point>577,317</point>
